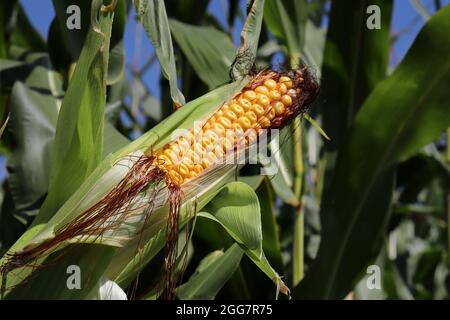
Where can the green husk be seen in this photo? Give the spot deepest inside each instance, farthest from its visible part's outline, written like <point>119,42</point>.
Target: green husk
<point>111,171</point>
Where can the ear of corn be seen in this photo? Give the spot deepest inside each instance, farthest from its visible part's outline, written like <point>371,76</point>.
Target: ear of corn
<point>269,101</point>
<point>266,103</point>
<point>108,174</point>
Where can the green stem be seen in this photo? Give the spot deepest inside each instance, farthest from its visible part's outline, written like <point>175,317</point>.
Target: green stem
<point>298,248</point>
<point>448,226</point>
<point>298,243</point>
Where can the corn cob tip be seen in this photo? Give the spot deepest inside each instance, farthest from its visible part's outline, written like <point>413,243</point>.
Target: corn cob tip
<point>269,101</point>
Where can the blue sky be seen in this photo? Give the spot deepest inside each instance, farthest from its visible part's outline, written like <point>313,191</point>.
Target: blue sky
<point>139,49</point>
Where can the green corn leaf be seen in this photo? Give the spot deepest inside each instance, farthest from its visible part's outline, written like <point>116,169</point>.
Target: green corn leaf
<point>352,65</point>
<point>65,44</point>
<point>153,17</point>
<point>271,243</point>
<point>105,176</point>
<point>406,111</point>
<point>249,40</point>
<point>116,66</point>
<point>314,46</point>
<point>34,142</point>
<point>237,208</point>
<point>264,265</point>
<point>127,262</point>
<point>24,35</point>
<point>208,50</point>
<point>39,99</point>
<point>6,10</point>
<point>282,154</point>
<point>79,133</point>
<point>287,20</point>
<point>258,257</point>
<point>253,181</point>
<point>316,125</point>
<point>211,275</point>
<point>52,281</point>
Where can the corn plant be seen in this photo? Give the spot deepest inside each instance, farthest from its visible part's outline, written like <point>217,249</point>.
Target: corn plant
<point>189,208</point>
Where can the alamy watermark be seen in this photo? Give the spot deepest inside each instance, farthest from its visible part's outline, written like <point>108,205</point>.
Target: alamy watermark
<point>373,21</point>
<point>374,277</point>
<point>74,19</point>
<point>73,281</point>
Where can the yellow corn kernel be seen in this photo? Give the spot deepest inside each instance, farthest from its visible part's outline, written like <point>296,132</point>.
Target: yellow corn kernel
<point>218,152</point>
<point>171,155</point>
<point>198,148</point>
<point>210,155</point>
<point>279,107</point>
<point>263,100</point>
<point>228,143</point>
<point>193,134</point>
<point>206,143</point>
<point>237,123</point>
<point>225,122</point>
<point>244,122</point>
<point>230,115</point>
<point>192,174</point>
<point>218,129</point>
<point>286,100</point>
<point>184,145</point>
<point>196,157</point>
<point>249,95</point>
<point>287,81</point>
<point>270,84</point>
<point>237,129</point>
<point>262,90</point>
<point>176,148</point>
<point>183,170</point>
<point>237,109</point>
<point>274,95</point>
<point>258,110</point>
<point>163,160</point>
<point>264,122</point>
<point>282,88</point>
<point>205,163</point>
<point>270,114</point>
<point>187,161</point>
<point>207,125</point>
<point>245,104</point>
<point>250,115</point>
<point>175,177</point>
